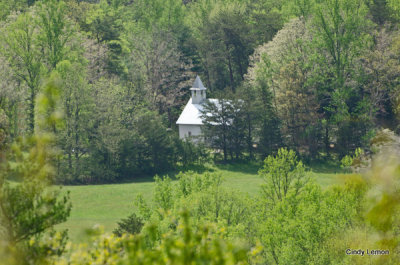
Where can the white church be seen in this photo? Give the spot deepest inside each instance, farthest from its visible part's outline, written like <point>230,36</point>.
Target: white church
<point>189,121</point>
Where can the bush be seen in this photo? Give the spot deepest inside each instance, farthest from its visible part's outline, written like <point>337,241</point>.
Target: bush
<point>131,225</point>
<point>188,245</point>
<point>282,174</point>
<point>191,153</point>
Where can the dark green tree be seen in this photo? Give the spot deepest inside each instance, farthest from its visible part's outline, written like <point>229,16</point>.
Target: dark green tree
<point>217,120</point>
<point>341,36</point>
<point>158,149</point>
<point>130,225</point>
<point>73,137</point>
<point>224,125</point>
<point>223,41</point>
<point>379,11</point>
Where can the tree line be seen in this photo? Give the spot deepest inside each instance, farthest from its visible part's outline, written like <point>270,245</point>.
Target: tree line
<point>316,77</point>
<point>322,86</point>
<point>196,219</point>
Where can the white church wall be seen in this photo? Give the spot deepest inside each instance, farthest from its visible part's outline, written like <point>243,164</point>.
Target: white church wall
<point>186,130</point>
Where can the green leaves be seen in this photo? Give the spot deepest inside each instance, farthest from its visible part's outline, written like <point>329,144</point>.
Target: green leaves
<point>29,207</point>
<point>354,161</point>
<point>34,43</point>
<point>163,193</point>
<point>224,126</point>
<point>282,174</point>
<point>55,31</point>
<point>190,244</point>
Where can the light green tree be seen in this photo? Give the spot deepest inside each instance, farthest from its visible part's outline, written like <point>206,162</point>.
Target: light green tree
<point>21,48</point>
<point>283,174</point>
<point>33,43</point>
<point>282,74</point>
<point>9,6</point>
<point>55,32</point>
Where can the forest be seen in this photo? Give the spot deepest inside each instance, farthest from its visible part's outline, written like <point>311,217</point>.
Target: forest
<point>90,92</point>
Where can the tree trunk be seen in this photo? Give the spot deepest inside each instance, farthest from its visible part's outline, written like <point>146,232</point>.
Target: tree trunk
<point>326,140</point>
<point>239,64</point>
<point>225,149</point>
<point>31,121</point>
<point>249,133</point>
<point>230,68</point>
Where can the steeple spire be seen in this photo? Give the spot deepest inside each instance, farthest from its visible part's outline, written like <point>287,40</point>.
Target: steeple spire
<point>198,84</point>
<point>198,91</point>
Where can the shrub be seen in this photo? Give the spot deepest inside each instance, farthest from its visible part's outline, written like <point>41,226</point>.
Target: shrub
<point>189,245</point>
<point>282,174</point>
<point>130,225</point>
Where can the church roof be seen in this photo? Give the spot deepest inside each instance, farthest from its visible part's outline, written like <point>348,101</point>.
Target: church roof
<point>191,114</point>
<point>198,85</point>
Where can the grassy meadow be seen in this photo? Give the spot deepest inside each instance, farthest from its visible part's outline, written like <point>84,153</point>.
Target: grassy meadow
<point>104,205</point>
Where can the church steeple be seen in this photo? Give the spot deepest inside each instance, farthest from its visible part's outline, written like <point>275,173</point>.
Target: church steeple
<point>198,91</point>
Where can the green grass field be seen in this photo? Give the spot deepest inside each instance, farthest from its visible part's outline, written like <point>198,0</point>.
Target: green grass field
<point>106,204</point>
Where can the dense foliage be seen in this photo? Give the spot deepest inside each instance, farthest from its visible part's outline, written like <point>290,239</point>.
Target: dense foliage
<point>197,219</point>
<point>90,91</point>
<point>317,77</point>
<point>295,75</point>
<point>29,209</point>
